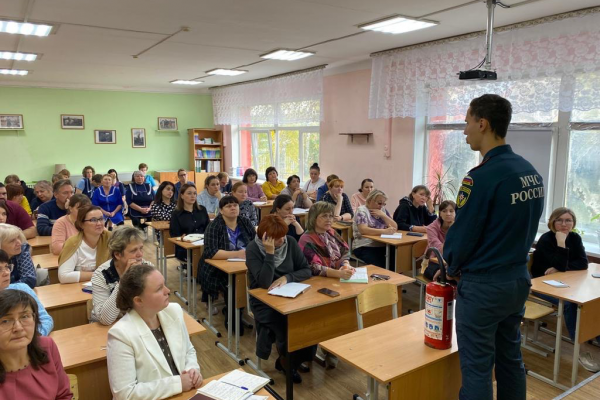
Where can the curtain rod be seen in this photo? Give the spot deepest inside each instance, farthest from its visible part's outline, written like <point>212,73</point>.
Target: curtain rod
<point>301,71</point>
<point>524,24</point>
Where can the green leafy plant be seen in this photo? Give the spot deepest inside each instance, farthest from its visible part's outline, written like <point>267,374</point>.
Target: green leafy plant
<point>441,187</point>
<point>595,217</point>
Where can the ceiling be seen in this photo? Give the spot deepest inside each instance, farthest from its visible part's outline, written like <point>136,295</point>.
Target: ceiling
<point>95,41</point>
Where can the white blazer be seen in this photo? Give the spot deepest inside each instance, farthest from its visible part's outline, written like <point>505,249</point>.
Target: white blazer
<point>137,368</point>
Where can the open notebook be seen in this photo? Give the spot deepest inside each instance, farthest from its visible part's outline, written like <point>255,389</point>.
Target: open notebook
<point>360,276</point>
<point>291,290</point>
<point>236,385</point>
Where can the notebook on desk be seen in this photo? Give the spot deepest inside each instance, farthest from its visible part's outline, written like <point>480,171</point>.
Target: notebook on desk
<point>396,235</point>
<point>360,276</point>
<point>236,385</point>
<point>290,290</point>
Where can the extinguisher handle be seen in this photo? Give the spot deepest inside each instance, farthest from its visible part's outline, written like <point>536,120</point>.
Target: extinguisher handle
<point>442,263</point>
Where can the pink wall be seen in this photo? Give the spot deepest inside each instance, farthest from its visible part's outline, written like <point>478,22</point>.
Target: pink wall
<point>346,107</point>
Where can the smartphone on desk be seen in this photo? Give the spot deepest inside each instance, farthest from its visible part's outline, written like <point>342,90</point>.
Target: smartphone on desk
<point>414,234</point>
<point>328,292</point>
<point>379,277</point>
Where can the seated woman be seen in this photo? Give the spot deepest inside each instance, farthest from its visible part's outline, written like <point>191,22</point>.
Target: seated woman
<point>299,196</point>
<point>83,253</point>
<point>226,237</point>
<point>46,323</point>
<point>324,188</point>
<point>43,193</point>
<point>274,259</point>
<point>272,186</point>
<point>360,198</point>
<point>27,191</point>
<point>64,227</point>
<point>164,204</point>
<point>560,250</point>
<point>15,193</point>
<point>143,168</point>
<point>415,211</point>
<point>436,234</point>
<point>311,186</point>
<point>149,352</point>
<point>139,200</point>
<point>283,206</point>
<point>188,217</point>
<point>85,185</point>
<point>224,182</point>
<point>247,209</point>
<point>126,246</point>
<point>324,250</point>
<point>372,219</point>
<point>13,242</point>
<point>181,180</point>
<point>210,196</point>
<point>108,197</point>
<point>115,176</point>
<point>255,192</point>
<point>336,196</point>
<point>4,211</point>
<point>30,364</point>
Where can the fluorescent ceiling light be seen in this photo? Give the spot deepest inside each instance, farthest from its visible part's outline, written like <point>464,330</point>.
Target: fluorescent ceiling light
<point>9,55</point>
<point>397,24</point>
<point>14,72</point>
<point>287,55</point>
<point>25,28</point>
<point>184,82</point>
<point>226,72</point>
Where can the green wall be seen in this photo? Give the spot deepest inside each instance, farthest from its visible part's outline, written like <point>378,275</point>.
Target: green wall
<point>33,152</point>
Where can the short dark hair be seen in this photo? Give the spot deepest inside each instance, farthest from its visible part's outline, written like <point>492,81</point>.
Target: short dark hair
<point>363,183</point>
<point>445,204</point>
<point>227,200</point>
<point>97,178</point>
<point>82,213</point>
<point>163,185</point>
<point>9,299</point>
<point>185,187</point>
<point>142,165</point>
<point>249,172</point>
<point>291,177</point>
<point>131,284</point>
<point>209,179</point>
<point>13,190</point>
<point>417,189</point>
<point>280,201</point>
<point>79,199</point>
<point>332,177</point>
<point>269,170</point>
<point>4,207</point>
<point>495,109</point>
<point>60,183</point>
<point>315,166</point>
<point>86,168</point>
<point>116,174</point>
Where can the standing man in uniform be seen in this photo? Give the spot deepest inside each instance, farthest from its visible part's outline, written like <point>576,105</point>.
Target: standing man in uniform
<point>499,207</point>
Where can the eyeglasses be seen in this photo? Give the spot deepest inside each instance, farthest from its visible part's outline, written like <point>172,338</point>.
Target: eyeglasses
<point>7,267</point>
<point>564,221</point>
<point>7,324</point>
<point>94,220</point>
<point>326,216</point>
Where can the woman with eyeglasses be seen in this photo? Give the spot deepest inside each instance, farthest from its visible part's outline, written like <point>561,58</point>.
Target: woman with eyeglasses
<point>87,250</point>
<point>30,364</point>
<point>181,180</point>
<point>372,219</point>
<point>46,322</point>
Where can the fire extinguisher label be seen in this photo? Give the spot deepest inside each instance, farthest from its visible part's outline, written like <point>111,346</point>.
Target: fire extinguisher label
<point>434,313</point>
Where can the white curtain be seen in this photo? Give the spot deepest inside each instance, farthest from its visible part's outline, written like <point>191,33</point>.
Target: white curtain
<point>537,66</point>
<point>290,100</point>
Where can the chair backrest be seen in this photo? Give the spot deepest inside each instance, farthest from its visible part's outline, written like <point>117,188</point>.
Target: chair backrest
<point>74,386</point>
<point>530,262</point>
<point>374,297</point>
<point>418,249</point>
<point>250,313</point>
<point>89,307</point>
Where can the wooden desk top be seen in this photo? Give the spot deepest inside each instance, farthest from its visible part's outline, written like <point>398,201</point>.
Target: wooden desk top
<point>190,393</point>
<point>388,350</point>
<point>268,204</point>
<point>405,241</point>
<point>339,226</point>
<point>159,225</point>
<point>583,287</point>
<point>61,295</point>
<point>86,344</point>
<point>312,298</point>
<point>47,261</point>
<point>229,267</point>
<point>185,245</point>
<point>40,241</point>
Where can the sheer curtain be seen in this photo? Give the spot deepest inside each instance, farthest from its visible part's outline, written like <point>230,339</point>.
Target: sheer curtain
<point>537,64</point>
<point>290,100</point>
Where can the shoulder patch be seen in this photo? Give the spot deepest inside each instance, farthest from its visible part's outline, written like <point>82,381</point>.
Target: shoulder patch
<point>463,196</point>
<point>467,181</point>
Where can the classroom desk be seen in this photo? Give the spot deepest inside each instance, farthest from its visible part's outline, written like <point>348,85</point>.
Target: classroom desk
<point>40,245</point>
<point>234,270</point>
<point>583,290</point>
<point>190,393</point>
<point>83,353</point>
<point>66,304</point>
<point>263,209</point>
<point>586,390</point>
<point>393,353</point>
<point>50,262</point>
<point>403,250</point>
<point>313,317</point>
<point>163,247</point>
<point>194,253</point>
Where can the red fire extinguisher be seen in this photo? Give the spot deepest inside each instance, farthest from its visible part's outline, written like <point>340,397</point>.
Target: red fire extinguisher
<point>439,308</point>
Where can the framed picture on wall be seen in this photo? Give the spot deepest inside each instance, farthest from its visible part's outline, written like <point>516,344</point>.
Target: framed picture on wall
<point>11,121</point>
<point>68,121</point>
<point>138,137</point>
<point>167,124</point>
<point>103,136</point>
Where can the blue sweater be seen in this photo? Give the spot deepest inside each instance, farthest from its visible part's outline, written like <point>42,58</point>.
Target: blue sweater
<point>48,213</point>
<point>24,270</point>
<point>46,322</point>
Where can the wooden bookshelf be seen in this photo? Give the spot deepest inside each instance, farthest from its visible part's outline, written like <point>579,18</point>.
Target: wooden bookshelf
<point>210,161</point>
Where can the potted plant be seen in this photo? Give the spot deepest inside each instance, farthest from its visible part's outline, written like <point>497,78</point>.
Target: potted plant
<point>594,218</point>
<point>441,187</point>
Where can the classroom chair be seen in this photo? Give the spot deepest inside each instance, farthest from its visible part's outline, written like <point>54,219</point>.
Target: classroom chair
<point>418,250</point>
<point>74,386</point>
<point>534,311</point>
<point>373,298</point>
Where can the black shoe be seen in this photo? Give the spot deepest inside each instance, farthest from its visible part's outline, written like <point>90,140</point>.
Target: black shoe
<point>296,378</point>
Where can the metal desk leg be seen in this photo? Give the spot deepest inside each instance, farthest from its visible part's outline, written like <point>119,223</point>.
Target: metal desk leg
<point>163,257</point>
<point>230,306</point>
<point>208,323</point>
<point>188,279</point>
<point>179,293</point>
<point>158,259</point>
<point>576,348</point>
<point>289,383</point>
<point>387,257</point>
